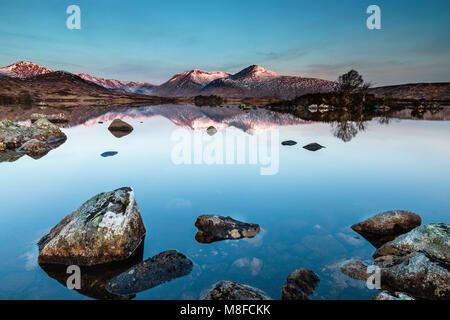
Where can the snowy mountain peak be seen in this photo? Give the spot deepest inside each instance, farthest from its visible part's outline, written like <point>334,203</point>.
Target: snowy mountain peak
<point>198,76</point>
<point>255,72</point>
<point>24,69</point>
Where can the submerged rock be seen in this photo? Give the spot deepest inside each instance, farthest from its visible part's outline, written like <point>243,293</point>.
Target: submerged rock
<point>228,290</point>
<point>355,269</point>
<point>93,279</point>
<point>386,226</point>
<point>106,228</point>
<point>109,154</point>
<point>300,283</point>
<point>289,143</point>
<point>211,130</point>
<point>418,262</point>
<point>215,228</point>
<point>154,271</point>
<point>313,146</point>
<point>36,140</point>
<point>392,296</point>
<point>120,128</point>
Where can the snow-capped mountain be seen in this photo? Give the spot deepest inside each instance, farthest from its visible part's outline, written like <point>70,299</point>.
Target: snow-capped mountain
<point>256,81</point>
<point>253,81</point>
<point>188,83</point>
<point>24,69</point>
<point>129,86</point>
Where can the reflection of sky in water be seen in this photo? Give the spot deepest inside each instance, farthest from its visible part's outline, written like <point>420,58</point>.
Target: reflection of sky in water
<point>304,210</point>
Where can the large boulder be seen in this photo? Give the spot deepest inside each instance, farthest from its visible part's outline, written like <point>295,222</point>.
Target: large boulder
<point>228,290</point>
<point>35,148</point>
<point>106,228</point>
<point>386,226</point>
<point>300,283</point>
<point>418,263</point>
<point>150,273</point>
<point>215,228</point>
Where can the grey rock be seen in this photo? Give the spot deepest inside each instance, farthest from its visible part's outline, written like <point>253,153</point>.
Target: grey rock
<point>355,269</point>
<point>106,228</point>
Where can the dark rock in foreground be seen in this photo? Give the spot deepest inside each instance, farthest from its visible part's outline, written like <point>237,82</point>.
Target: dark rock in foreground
<point>289,143</point>
<point>120,128</point>
<point>215,228</point>
<point>355,269</point>
<point>211,130</point>
<point>109,154</point>
<point>106,228</point>
<point>313,147</point>
<point>392,296</point>
<point>300,283</point>
<point>418,263</point>
<point>35,148</point>
<point>161,268</point>
<point>386,226</point>
<point>227,290</point>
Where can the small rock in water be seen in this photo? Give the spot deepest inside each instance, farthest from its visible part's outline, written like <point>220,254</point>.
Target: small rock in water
<point>386,226</point>
<point>154,271</point>
<point>355,269</point>
<point>300,283</point>
<point>106,228</point>
<point>215,228</point>
<point>289,143</point>
<point>211,130</point>
<point>120,128</point>
<point>109,154</point>
<point>392,296</point>
<point>313,146</point>
<point>228,290</point>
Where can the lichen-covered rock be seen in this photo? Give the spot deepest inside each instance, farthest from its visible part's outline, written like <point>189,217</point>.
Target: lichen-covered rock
<point>431,239</point>
<point>418,276</point>
<point>418,262</point>
<point>215,228</point>
<point>15,137</point>
<point>150,273</point>
<point>120,128</point>
<point>300,283</point>
<point>313,147</point>
<point>228,290</point>
<point>355,269</point>
<point>386,226</point>
<point>106,228</point>
<point>392,296</point>
<point>54,118</point>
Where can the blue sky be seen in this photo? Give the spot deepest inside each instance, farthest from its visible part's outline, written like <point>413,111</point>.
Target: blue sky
<point>152,40</point>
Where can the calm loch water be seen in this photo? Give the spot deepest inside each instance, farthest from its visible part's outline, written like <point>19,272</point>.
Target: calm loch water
<point>304,204</point>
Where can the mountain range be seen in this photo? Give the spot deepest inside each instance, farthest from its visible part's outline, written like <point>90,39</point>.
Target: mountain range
<point>253,81</point>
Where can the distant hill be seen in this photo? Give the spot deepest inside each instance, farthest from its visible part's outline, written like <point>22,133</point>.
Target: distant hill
<point>439,91</point>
